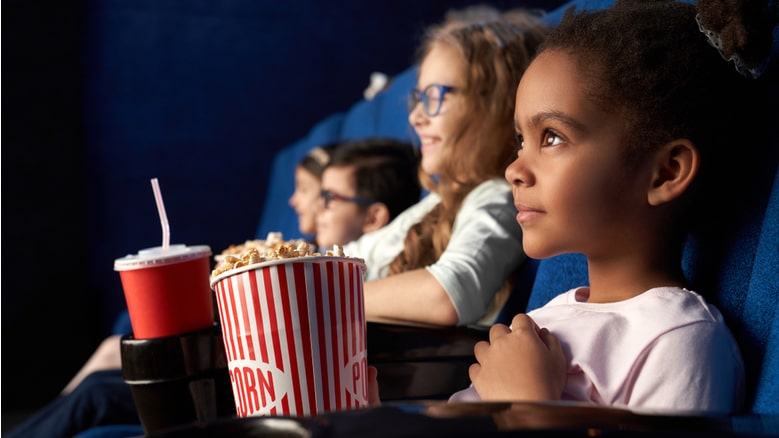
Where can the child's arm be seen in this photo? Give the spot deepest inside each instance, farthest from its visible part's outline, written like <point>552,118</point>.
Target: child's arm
<point>523,362</point>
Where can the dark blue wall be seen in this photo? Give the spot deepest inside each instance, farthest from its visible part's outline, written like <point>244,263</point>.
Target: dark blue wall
<point>101,96</point>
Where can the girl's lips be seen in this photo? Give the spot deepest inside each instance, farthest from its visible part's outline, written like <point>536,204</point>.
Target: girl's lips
<point>428,141</point>
<point>526,214</point>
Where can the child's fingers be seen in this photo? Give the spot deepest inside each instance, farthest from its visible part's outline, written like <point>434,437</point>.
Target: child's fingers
<point>473,371</point>
<point>557,357</point>
<point>373,386</point>
<point>522,321</point>
<point>549,339</point>
<point>553,344</point>
<point>498,330</point>
<point>479,348</point>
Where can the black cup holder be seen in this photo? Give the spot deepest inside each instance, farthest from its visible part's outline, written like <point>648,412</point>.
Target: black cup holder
<point>178,380</point>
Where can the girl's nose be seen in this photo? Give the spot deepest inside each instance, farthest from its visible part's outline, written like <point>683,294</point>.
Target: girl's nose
<point>417,116</point>
<point>517,172</point>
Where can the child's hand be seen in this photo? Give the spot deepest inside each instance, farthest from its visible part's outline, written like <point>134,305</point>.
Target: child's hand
<point>373,387</point>
<point>523,362</point>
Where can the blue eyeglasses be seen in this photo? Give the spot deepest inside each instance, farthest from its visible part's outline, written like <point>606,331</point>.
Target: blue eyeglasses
<point>432,97</point>
<point>328,196</point>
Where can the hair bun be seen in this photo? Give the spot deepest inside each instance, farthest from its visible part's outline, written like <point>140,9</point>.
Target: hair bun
<point>741,30</point>
<point>319,155</point>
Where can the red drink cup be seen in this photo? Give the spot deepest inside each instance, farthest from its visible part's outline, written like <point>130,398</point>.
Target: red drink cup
<point>294,334</point>
<point>167,290</point>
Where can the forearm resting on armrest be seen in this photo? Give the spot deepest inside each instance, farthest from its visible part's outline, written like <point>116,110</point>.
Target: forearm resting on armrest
<point>413,297</point>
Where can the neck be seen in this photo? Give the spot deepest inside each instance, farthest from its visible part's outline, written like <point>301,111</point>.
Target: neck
<point>619,279</point>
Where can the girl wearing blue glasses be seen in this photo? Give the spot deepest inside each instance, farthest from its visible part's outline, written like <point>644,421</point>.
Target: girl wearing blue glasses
<point>447,259</point>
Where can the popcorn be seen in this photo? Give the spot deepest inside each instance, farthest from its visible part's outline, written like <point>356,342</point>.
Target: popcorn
<point>272,248</point>
<point>337,251</point>
<point>273,241</point>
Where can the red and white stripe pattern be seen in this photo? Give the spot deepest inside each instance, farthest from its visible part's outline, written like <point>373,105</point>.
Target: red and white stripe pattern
<point>294,334</point>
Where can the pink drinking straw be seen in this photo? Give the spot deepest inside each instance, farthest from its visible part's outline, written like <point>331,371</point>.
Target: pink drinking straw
<point>155,185</point>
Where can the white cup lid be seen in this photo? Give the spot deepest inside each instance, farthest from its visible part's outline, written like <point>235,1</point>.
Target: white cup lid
<point>159,256</point>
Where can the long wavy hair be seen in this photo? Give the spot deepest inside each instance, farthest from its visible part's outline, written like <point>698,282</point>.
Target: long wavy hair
<point>497,47</point>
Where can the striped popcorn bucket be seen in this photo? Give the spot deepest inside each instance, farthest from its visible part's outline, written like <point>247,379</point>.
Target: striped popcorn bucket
<point>294,335</point>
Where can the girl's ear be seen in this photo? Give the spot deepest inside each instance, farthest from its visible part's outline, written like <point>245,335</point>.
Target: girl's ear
<point>376,217</point>
<point>675,168</point>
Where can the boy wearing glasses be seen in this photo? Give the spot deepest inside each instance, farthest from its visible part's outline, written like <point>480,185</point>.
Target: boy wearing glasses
<point>365,184</point>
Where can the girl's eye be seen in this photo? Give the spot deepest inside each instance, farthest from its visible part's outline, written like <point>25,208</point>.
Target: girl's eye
<point>551,139</point>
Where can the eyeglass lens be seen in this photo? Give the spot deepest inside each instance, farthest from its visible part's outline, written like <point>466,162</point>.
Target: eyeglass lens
<point>326,197</point>
<point>431,97</point>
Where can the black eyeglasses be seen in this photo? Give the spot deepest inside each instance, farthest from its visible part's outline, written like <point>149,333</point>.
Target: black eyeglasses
<point>328,196</point>
<point>432,97</point>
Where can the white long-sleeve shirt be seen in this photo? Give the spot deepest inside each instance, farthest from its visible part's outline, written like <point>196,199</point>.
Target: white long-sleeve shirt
<point>484,249</point>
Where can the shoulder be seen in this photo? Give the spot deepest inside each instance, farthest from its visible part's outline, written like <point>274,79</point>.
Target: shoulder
<point>493,192</point>
<point>489,203</point>
<point>490,188</point>
<point>678,304</point>
<point>649,315</point>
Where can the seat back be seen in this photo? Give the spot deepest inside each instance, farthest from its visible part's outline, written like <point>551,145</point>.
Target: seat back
<point>760,318</point>
<point>386,115</point>
<point>750,302</point>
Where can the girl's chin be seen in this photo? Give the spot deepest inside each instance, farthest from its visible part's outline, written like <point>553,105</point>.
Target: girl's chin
<point>430,168</point>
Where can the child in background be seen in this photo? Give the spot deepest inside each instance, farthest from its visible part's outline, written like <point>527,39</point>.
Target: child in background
<point>629,125</point>
<point>365,185</point>
<point>448,259</point>
<point>371,180</point>
<point>308,179</point>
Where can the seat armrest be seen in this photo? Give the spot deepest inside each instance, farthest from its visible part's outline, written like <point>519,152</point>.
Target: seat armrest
<point>421,362</point>
<point>395,342</point>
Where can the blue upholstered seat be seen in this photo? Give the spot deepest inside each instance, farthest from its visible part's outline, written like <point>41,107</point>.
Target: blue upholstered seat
<point>386,115</point>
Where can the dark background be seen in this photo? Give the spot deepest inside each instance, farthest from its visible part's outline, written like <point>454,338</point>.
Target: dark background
<point>98,97</point>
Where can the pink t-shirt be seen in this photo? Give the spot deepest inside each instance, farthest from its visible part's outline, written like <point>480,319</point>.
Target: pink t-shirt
<point>665,350</point>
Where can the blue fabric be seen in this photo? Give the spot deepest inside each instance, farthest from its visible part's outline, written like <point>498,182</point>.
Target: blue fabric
<point>393,113</point>
<point>113,431</point>
<point>276,214</point>
<point>103,398</point>
<point>760,314</point>
<point>518,299</point>
<point>554,16</point>
<point>556,275</point>
<point>122,325</point>
<point>385,115</point>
